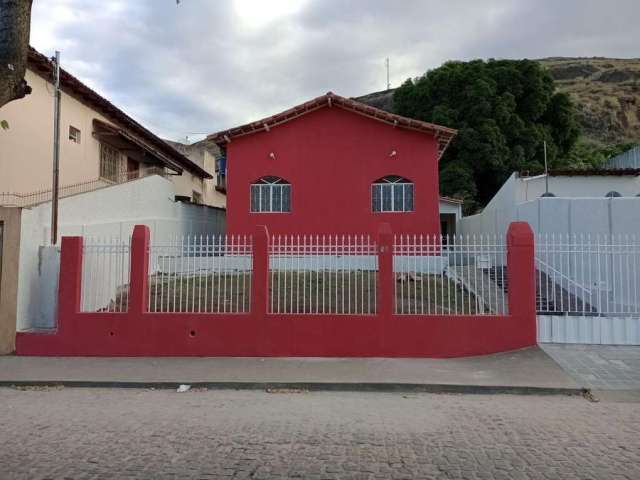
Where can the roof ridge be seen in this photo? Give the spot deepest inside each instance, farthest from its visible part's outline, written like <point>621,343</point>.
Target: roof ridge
<point>443,135</point>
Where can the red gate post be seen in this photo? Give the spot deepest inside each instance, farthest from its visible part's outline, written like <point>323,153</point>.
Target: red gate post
<point>260,280</point>
<point>386,290</point>
<point>522,281</point>
<point>70,280</point>
<point>139,279</point>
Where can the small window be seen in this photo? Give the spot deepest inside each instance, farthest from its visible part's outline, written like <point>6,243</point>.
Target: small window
<point>74,134</point>
<point>392,194</point>
<point>613,194</point>
<point>271,194</point>
<point>197,197</point>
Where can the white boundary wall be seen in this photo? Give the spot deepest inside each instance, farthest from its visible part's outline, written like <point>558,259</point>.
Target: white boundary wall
<point>560,216</point>
<point>109,212</point>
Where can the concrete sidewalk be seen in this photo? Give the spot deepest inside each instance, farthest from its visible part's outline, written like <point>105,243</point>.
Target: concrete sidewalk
<point>522,371</point>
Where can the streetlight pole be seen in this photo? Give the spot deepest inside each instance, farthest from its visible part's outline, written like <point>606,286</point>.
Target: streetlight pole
<point>56,151</point>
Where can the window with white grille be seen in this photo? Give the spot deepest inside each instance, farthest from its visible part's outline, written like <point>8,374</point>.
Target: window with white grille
<point>271,194</point>
<point>109,162</point>
<point>392,194</point>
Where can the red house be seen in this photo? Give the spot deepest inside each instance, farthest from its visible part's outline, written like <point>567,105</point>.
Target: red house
<point>333,165</point>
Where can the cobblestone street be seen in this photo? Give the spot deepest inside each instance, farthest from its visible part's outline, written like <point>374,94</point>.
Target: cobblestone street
<point>126,433</point>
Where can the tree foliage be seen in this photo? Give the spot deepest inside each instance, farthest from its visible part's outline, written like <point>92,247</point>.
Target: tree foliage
<point>503,110</point>
<point>587,154</point>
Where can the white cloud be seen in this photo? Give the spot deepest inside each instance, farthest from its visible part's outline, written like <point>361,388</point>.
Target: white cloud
<point>202,66</point>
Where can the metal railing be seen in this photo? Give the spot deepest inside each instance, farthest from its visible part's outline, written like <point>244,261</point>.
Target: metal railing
<point>10,199</point>
<point>201,274</point>
<point>323,274</point>
<point>588,274</point>
<point>450,275</point>
<point>105,275</point>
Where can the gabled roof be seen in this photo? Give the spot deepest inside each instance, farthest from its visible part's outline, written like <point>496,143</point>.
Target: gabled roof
<point>41,65</point>
<point>443,135</point>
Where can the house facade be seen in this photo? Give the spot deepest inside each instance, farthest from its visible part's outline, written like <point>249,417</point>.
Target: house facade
<point>564,202</point>
<point>333,165</point>
<point>99,144</point>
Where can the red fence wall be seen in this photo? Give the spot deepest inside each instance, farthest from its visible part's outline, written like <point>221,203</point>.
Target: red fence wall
<point>259,333</point>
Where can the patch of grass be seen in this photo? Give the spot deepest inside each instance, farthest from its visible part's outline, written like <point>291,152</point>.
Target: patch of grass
<point>308,292</point>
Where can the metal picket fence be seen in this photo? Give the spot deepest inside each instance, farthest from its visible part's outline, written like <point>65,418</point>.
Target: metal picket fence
<point>201,274</point>
<point>450,275</point>
<point>323,274</point>
<point>588,274</point>
<point>105,274</point>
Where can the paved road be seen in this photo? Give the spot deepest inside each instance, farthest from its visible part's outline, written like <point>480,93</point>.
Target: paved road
<point>95,433</point>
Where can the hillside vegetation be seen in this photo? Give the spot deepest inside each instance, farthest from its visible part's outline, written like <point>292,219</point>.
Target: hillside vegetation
<point>606,92</point>
<point>587,109</point>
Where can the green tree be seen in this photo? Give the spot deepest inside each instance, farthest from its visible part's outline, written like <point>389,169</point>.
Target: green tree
<point>503,110</point>
<point>587,154</point>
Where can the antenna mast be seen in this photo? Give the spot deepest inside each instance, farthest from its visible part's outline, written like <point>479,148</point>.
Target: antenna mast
<point>387,65</point>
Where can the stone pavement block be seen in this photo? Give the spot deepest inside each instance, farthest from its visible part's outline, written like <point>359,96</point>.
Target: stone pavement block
<point>140,434</point>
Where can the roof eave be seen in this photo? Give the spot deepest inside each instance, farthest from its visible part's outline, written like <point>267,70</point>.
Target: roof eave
<point>443,135</point>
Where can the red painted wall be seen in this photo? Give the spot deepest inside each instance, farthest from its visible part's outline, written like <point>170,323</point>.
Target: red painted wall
<point>259,333</point>
<point>331,157</point>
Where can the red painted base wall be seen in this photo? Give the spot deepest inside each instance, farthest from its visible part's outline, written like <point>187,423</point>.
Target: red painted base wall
<point>137,333</point>
<point>279,336</point>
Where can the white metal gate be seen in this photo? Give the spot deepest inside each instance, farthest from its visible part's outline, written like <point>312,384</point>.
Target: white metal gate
<point>588,288</point>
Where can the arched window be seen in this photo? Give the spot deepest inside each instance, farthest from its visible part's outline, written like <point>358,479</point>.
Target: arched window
<point>271,194</point>
<point>612,194</point>
<point>392,194</point>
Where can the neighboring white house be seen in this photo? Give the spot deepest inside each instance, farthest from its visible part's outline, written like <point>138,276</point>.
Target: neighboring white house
<point>450,214</point>
<point>587,250</point>
<point>594,201</point>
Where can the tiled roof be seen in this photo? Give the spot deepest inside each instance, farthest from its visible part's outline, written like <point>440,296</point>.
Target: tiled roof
<point>444,135</point>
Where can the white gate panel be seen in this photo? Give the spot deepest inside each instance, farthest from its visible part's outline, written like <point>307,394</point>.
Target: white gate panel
<point>593,330</point>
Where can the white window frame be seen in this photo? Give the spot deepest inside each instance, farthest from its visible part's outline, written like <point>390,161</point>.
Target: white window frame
<point>392,183</point>
<point>269,184</point>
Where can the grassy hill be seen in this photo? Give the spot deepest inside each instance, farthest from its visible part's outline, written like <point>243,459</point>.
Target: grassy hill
<point>605,90</point>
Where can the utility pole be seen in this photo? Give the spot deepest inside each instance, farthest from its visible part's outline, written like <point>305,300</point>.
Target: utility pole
<point>56,150</point>
<point>546,170</point>
<point>387,65</point>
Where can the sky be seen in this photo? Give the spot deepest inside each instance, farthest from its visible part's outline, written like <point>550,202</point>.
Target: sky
<point>185,70</point>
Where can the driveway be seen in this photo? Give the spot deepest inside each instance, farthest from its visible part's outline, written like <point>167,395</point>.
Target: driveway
<point>603,367</point>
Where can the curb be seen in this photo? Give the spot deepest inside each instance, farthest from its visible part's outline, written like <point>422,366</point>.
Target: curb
<point>309,386</point>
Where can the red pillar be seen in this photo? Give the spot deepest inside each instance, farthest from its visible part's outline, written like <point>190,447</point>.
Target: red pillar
<point>386,288</point>
<point>521,278</point>
<point>260,281</point>
<point>70,280</point>
<point>138,284</point>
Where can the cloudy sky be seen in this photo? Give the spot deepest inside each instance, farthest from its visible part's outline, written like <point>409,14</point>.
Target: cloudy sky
<point>207,65</point>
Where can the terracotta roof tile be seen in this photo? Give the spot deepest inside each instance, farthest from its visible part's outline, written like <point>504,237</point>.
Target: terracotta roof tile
<point>444,135</point>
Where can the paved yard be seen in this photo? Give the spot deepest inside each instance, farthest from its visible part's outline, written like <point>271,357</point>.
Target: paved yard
<point>126,433</point>
<point>599,366</point>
